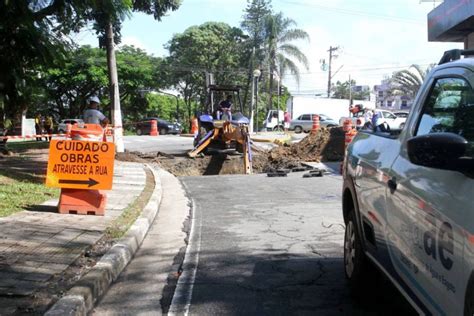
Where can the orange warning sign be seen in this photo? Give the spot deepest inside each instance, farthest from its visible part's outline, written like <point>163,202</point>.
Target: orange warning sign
<point>80,165</point>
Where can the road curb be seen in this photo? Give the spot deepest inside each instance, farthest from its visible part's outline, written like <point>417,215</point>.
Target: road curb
<point>81,298</point>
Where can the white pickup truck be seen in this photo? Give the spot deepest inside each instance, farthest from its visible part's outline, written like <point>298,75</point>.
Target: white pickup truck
<point>387,117</point>
<point>408,196</point>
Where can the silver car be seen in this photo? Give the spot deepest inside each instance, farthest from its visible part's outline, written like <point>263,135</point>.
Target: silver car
<point>304,122</point>
<point>62,126</point>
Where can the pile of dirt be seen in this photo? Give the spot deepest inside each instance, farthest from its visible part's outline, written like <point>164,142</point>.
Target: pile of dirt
<point>326,145</point>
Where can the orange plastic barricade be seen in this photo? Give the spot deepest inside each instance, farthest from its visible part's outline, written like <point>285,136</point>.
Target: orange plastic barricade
<point>82,202</point>
<point>316,125</point>
<point>154,128</point>
<point>92,167</point>
<point>87,132</point>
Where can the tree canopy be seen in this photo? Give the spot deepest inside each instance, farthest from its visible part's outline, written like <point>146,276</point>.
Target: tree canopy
<point>341,90</point>
<point>212,47</point>
<point>408,81</point>
<point>34,35</point>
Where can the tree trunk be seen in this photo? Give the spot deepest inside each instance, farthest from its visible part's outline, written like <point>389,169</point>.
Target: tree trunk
<point>270,90</point>
<point>114,90</point>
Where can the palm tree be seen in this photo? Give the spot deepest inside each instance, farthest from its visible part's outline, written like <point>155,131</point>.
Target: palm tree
<point>408,81</point>
<point>281,54</point>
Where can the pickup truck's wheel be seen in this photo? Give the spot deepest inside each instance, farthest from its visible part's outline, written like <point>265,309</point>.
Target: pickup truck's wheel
<point>298,129</point>
<point>139,132</point>
<point>355,262</point>
<point>163,131</point>
<point>402,125</point>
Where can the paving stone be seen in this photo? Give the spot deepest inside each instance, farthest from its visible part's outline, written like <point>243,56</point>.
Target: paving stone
<point>35,245</point>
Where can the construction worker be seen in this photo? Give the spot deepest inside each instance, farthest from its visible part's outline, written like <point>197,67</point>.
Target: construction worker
<point>48,126</point>
<point>224,112</point>
<point>92,115</point>
<point>38,126</point>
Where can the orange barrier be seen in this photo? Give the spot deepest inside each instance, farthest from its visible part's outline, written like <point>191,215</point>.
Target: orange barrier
<point>154,128</point>
<point>88,132</point>
<point>316,125</point>
<point>194,126</point>
<point>347,125</point>
<point>83,201</point>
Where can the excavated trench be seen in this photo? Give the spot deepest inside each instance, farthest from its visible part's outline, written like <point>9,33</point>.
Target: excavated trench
<point>326,145</point>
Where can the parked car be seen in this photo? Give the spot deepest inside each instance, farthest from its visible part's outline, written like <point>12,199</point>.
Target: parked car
<point>304,122</point>
<point>402,114</point>
<point>62,125</point>
<point>164,127</point>
<point>392,120</point>
<point>407,197</point>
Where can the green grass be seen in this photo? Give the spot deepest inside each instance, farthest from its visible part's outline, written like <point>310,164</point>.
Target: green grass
<point>18,194</point>
<point>120,226</point>
<point>127,132</point>
<point>22,146</point>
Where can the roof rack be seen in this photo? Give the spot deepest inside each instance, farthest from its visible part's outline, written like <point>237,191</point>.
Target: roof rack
<point>455,54</point>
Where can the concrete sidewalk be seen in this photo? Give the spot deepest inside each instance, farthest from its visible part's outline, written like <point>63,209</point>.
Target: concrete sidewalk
<point>38,246</point>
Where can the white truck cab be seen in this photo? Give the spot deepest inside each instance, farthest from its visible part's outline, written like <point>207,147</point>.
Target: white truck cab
<point>274,120</point>
<point>408,196</point>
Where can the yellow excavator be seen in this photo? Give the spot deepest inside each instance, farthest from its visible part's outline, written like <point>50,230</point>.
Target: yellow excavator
<point>221,129</point>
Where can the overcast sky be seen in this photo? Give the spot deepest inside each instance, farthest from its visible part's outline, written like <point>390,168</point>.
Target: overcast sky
<point>376,37</point>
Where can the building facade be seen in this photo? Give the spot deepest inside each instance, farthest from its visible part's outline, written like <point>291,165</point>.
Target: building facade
<point>385,100</point>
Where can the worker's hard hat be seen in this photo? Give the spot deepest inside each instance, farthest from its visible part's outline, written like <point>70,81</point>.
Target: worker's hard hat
<point>94,99</point>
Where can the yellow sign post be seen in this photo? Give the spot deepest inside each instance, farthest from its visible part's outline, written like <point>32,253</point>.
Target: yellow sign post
<point>80,165</point>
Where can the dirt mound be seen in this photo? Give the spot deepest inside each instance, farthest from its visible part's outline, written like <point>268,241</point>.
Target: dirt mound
<point>326,145</point>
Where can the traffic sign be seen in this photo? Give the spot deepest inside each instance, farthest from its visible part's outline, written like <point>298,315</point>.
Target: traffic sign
<point>80,165</point>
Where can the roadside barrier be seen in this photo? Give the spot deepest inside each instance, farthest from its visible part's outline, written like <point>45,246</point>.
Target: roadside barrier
<point>75,200</point>
<point>316,125</point>
<point>32,136</point>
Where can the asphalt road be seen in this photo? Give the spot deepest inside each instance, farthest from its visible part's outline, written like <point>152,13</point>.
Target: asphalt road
<point>168,144</point>
<point>271,246</point>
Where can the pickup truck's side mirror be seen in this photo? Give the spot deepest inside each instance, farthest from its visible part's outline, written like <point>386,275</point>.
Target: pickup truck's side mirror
<point>438,150</point>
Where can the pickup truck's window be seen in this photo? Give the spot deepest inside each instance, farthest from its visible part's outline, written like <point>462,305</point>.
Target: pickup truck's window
<point>449,108</point>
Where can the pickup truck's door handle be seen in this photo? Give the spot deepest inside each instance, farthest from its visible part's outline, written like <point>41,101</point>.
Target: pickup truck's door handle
<point>392,184</point>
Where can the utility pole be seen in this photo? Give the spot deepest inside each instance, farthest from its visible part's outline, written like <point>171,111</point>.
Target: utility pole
<point>331,56</point>
<point>114,90</point>
<point>350,90</point>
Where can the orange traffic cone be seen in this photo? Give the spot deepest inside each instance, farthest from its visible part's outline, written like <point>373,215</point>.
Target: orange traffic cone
<point>316,126</point>
<point>194,126</point>
<point>154,128</point>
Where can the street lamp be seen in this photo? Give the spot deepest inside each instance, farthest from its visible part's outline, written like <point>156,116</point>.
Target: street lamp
<point>256,75</point>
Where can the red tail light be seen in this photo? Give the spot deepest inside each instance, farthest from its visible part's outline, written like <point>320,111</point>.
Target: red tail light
<point>358,122</point>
